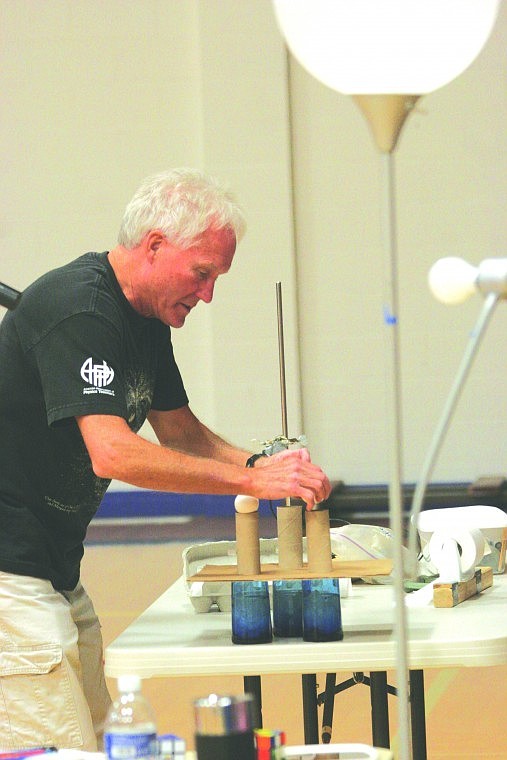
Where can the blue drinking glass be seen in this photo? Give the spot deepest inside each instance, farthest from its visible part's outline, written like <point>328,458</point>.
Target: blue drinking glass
<point>287,608</point>
<point>251,614</point>
<point>322,618</point>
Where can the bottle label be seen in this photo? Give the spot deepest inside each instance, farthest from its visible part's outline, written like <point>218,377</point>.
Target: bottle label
<point>130,746</point>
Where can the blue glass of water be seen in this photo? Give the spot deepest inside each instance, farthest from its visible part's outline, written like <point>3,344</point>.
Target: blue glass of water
<point>251,614</point>
<point>322,618</point>
<point>288,608</point>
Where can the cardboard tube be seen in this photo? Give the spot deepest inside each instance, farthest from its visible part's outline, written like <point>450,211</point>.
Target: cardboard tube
<point>290,537</point>
<point>247,543</point>
<point>318,541</point>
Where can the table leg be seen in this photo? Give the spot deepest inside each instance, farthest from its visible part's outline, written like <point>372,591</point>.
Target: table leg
<point>379,709</point>
<point>327,713</point>
<point>310,716</point>
<point>417,714</point>
<point>252,685</point>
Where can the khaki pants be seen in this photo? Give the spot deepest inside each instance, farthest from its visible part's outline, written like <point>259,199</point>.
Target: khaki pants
<point>52,685</point>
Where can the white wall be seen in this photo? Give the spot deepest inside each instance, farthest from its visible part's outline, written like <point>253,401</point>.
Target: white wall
<point>96,95</point>
<point>99,95</point>
<point>451,189</point>
<point>245,137</point>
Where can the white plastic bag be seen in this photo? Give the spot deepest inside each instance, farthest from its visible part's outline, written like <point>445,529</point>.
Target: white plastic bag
<point>359,542</point>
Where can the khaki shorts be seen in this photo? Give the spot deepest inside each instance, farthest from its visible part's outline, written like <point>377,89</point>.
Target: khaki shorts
<point>52,685</point>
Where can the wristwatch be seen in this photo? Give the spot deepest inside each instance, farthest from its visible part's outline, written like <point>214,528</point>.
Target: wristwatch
<point>250,462</point>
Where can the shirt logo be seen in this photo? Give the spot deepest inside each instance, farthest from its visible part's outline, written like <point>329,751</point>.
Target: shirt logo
<point>98,375</point>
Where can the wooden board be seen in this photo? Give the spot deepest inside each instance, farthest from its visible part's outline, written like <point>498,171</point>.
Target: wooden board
<point>451,594</point>
<point>272,572</point>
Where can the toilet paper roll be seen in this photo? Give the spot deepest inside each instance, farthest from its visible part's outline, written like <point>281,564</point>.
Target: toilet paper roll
<point>456,553</point>
<point>247,543</point>
<point>289,521</point>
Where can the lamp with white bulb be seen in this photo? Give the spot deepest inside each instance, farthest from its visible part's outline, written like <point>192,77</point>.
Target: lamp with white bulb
<point>452,280</point>
<point>386,54</point>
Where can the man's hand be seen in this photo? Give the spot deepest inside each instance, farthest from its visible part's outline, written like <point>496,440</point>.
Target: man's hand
<point>290,473</point>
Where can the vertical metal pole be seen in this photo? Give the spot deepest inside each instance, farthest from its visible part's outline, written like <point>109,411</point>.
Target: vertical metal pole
<point>281,362</point>
<point>393,383</point>
<point>281,358</point>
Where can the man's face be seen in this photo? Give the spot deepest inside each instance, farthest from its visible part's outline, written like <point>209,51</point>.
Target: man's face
<point>179,279</point>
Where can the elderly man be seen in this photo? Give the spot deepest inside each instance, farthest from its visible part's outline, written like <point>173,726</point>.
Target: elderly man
<point>85,358</point>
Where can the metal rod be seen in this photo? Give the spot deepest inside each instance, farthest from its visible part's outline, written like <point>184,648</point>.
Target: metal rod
<point>444,422</point>
<point>395,483</point>
<point>281,359</point>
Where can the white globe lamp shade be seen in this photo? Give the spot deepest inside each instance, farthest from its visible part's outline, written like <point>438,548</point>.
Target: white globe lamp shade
<point>386,46</point>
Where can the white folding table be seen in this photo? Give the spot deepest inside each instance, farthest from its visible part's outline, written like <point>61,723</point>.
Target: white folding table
<point>171,640</point>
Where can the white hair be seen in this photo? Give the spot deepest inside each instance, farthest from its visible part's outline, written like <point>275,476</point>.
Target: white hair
<point>183,204</point>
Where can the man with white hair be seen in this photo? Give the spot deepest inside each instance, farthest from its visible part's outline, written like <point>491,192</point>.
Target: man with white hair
<point>85,358</point>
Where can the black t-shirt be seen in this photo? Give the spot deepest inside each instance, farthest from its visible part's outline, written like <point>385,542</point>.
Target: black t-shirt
<point>73,346</point>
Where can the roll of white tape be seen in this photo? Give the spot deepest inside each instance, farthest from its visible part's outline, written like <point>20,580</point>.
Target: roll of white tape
<point>244,504</point>
<point>456,553</point>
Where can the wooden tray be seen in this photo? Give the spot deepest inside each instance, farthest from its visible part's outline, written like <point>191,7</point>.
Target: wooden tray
<point>272,572</point>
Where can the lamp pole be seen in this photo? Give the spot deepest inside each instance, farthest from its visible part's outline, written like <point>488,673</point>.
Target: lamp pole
<point>393,394</point>
<point>377,47</point>
<point>386,115</point>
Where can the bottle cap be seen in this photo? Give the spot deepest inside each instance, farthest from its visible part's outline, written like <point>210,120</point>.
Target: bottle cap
<point>221,715</point>
<point>129,683</point>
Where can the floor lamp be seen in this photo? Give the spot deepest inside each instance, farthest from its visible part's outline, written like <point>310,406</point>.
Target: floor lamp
<point>386,54</point>
<point>452,280</point>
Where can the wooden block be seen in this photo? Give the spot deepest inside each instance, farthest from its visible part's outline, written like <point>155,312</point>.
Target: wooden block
<point>451,594</point>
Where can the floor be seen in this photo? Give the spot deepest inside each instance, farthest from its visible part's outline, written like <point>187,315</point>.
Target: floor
<point>126,567</point>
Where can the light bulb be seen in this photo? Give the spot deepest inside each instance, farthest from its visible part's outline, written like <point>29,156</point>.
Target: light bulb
<point>452,280</point>
<point>386,46</point>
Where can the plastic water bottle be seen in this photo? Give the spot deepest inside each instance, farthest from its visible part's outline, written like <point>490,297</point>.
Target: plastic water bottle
<point>130,731</point>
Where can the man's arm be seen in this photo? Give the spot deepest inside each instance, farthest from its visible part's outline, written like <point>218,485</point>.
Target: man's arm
<point>180,429</point>
<point>117,452</point>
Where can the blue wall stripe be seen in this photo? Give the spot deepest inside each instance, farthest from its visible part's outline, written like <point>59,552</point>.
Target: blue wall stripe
<point>159,504</point>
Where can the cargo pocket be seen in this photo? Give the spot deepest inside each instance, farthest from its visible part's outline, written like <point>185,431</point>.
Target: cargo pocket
<point>37,707</point>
